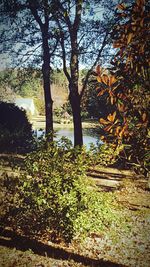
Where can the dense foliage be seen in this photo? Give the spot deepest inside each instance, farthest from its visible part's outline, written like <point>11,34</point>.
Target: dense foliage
<point>15,129</point>
<point>94,106</point>
<point>127,85</point>
<point>53,195</point>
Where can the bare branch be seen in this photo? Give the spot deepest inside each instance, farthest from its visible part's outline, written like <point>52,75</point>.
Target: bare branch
<point>35,13</point>
<point>95,63</point>
<point>62,43</point>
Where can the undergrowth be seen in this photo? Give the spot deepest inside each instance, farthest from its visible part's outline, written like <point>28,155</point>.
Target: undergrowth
<point>53,194</point>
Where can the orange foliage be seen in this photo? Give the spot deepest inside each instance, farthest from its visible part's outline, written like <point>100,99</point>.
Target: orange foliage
<point>132,41</point>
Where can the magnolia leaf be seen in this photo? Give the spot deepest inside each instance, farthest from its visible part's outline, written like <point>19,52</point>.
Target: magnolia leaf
<point>121,6</point>
<point>143,71</point>
<point>112,80</point>
<point>105,79</point>
<point>139,125</point>
<point>129,38</point>
<point>116,121</point>
<point>129,157</point>
<point>142,23</point>
<point>114,115</point>
<point>111,93</point>
<point>144,117</point>
<point>121,133</point>
<point>99,79</point>
<point>102,121</point>
<point>118,129</point>
<point>101,92</point>
<point>134,28</point>
<point>121,107</point>
<point>124,131</point>
<point>112,100</point>
<point>111,118</point>
<point>114,88</point>
<point>108,128</point>
<point>122,15</point>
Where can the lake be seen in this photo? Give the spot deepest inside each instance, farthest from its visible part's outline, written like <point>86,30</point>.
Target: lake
<point>88,136</point>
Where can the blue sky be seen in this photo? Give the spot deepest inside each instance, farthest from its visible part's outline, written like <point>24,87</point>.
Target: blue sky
<point>5,59</point>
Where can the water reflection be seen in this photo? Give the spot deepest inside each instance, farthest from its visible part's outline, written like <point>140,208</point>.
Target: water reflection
<point>88,137</point>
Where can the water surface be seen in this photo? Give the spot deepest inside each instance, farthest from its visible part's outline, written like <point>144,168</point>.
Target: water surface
<point>88,137</point>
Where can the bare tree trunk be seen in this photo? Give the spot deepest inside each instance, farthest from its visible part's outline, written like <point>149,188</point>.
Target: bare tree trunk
<point>47,91</point>
<point>44,26</point>
<point>76,111</point>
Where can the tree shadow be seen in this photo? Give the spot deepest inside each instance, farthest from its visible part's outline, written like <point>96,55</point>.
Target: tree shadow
<point>10,239</point>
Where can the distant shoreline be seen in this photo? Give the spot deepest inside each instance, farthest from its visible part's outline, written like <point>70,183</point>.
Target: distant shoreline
<point>39,123</point>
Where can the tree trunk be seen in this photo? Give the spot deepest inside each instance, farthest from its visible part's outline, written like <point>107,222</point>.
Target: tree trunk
<point>74,96</point>
<point>47,91</point>
<point>76,111</point>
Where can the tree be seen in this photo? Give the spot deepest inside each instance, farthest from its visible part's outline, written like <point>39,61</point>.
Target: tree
<point>45,23</point>
<point>30,26</point>
<point>127,83</point>
<point>76,36</point>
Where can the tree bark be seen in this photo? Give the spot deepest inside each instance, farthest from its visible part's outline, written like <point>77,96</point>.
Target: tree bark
<point>74,97</point>
<point>46,64</point>
<point>46,85</point>
<point>76,111</point>
<point>73,76</point>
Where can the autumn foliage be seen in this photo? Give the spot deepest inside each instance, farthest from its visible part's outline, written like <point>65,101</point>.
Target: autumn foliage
<point>126,84</point>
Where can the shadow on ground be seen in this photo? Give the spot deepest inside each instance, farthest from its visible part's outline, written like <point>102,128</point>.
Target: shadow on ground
<point>12,240</point>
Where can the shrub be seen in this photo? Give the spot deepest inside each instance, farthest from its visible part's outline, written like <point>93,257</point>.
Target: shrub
<point>15,129</point>
<point>103,154</point>
<point>54,195</point>
<point>52,192</point>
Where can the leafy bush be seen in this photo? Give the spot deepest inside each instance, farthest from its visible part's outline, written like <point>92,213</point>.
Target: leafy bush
<point>104,155</point>
<point>15,129</point>
<point>52,192</point>
<point>54,195</point>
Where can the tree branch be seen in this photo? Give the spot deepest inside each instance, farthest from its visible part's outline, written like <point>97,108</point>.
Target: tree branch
<point>95,63</point>
<point>62,43</point>
<point>35,13</point>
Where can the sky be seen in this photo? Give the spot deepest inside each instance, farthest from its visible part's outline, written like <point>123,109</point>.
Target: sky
<point>5,59</point>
